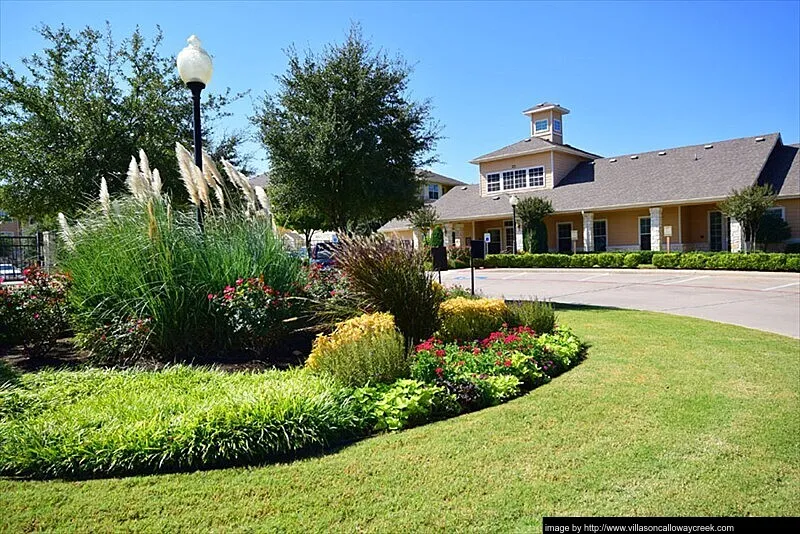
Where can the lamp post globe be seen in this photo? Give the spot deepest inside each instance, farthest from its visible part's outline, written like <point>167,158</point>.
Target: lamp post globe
<point>195,69</point>
<point>514,201</point>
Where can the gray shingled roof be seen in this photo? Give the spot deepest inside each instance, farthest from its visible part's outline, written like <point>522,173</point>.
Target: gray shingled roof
<point>782,170</point>
<point>430,176</point>
<point>529,144</point>
<point>684,173</point>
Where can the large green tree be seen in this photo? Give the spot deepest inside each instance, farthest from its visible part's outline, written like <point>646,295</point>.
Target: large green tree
<point>748,206</point>
<point>82,107</point>
<point>343,136</point>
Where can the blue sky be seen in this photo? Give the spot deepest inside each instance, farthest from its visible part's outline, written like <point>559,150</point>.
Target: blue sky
<point>637,76</point>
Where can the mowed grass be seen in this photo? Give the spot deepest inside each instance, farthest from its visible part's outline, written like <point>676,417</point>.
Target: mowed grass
<point>667,416</point>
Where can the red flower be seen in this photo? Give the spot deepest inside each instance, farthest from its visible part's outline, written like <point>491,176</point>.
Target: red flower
<point>440,353</point>
<point>476,350</point>
<point>211,296</point>
<point>507,363</point>
<point>439,371</point>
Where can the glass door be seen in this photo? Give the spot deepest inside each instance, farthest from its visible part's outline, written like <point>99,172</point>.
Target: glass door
<point>564,237</point>
<point>600,240</point>
<point>644,233</point>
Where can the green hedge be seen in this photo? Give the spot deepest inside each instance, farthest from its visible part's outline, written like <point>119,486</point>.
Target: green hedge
<point>757,261</point>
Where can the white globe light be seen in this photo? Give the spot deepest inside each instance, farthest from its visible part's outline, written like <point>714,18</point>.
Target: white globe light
<point>513,200</point>
<point>194,63</point>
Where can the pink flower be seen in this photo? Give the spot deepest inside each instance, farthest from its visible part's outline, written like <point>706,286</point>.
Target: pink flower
<point>211,296</point>
<point>440,353</point>
<point>439,371</point>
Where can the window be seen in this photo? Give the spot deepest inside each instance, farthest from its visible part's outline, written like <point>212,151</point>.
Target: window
<point>600,236</point>
<point>556,125</point>
<point>537,176</point>
<point>715,231</point>
<point>433,191</point>
<point>564,232</point>
<point>777,211</point>
<point>508,180</point>
<point>541,126</point>
<point>520,180</point>
<point>644,233</point>
<point>493,182</point>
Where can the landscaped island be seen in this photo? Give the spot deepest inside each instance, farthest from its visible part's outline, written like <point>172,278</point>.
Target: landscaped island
<point>146,292</point>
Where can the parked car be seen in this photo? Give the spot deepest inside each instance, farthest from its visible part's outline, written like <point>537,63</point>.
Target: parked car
<point>324,254</point>
<point>7,270</point>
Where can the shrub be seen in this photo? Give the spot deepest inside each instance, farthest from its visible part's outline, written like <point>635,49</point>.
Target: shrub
<point>536,315</point>
<point>121,341</point>
<point>458,291</point>
<point>458,257</point>
<point>469,319</point>
<point>386,277</point>
<point>110,422</point>
<point>437,237</point>
<point>400,405</point>
<point>633,260</point>
<point>361,350</point>
<point>254,311</point>
<point>693,260</point>
<point>34,313</point>
<point>667,261</point>
<point>582,260</point>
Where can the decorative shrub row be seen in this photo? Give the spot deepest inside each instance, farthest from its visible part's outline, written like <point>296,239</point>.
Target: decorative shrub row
<point>112,422</point>
<point>757,261</point>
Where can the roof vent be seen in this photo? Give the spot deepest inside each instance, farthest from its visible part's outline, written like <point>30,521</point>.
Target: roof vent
<point>591,163</point>
<point>612,160</point>
<point>527,140</point>
<point>634,157</point>
<point>495,198</point>
<point>759,139</point>
<point>464,188</point>
<point>662,153</point>
<point>708,146</point>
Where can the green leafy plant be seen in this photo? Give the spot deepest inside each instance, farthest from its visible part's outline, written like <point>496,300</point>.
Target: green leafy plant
<point>35,313</point>
<point>468,319</point>
<point>532,211</point>
<point>399,405</point>
<point>437,237</point>
<point>748,206</point>
<point>537,315</point>
<point>120,341</point>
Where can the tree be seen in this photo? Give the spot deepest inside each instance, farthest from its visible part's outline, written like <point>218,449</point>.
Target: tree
<point>748,206</point>
<point>437,237</point>
<point>343,136</point>
<point>531,212</point>
<point>772,229</point>
<point>424,219</point>
<point>85,106</point>
<point>289,214</point>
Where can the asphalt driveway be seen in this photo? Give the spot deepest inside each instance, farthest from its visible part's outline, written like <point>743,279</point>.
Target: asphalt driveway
<point>766,301</point>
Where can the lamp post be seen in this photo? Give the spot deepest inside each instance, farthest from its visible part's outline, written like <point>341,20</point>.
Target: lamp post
<point>514,201</point>
<point>195,69</point>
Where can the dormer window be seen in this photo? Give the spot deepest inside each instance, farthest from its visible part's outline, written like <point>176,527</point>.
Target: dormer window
<point>556,126</point>
<point>541,126</point>
<point>433,191</point>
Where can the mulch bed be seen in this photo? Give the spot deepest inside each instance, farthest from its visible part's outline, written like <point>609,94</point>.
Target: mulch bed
<point>292,351</point>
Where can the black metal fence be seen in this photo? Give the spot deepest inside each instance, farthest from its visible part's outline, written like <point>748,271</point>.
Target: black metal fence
<point>19,252</point>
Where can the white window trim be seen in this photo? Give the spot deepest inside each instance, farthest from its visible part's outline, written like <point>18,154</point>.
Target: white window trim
<point>773,208</point>
<point>528,179</point>
<point>595,235</point>
<point>545,130</point>
<point>438,192</point>
<point>559,131</point>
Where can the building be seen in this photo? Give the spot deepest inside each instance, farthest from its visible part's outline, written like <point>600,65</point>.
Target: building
<point>624,202</point>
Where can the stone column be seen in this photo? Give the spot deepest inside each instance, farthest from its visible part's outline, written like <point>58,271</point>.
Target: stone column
<point>588,231</point>
<point>737,238</point>
<point>518,237</point>
<point>655,229</point>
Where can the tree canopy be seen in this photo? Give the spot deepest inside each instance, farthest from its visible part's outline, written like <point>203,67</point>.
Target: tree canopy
<point>748,206</point>
<point>86,105</point>
<point>531,212</point>
<point>344,138</point>
<point>424,219</point>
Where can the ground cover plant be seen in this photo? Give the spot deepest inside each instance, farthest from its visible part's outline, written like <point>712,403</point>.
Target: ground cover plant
<point>668,416</point>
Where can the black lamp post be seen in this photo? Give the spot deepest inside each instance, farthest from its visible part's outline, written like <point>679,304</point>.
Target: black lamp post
<point>195,69</point>
<point>514,201</point>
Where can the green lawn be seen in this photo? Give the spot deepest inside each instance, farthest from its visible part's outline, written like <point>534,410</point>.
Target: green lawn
<point>667,416</point>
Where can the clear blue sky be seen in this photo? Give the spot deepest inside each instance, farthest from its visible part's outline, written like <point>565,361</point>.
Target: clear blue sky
<point>637,76</point>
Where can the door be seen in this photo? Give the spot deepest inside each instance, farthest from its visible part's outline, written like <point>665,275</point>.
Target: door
<point>495,245</point>
<point>715,230</point>
<point>564,237</point>
<point>510,237</point>
<point>644,233</point>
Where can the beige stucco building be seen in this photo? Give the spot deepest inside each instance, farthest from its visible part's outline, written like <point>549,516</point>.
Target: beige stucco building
<point>627,202</point>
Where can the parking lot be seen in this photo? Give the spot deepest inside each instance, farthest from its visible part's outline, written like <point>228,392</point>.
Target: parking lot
<point>766,301</point>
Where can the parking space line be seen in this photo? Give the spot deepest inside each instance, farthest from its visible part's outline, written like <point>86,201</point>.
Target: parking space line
<point>682,281</point>
<point>594,276</point>
<point>784,285</point>
<point>515,275</point>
